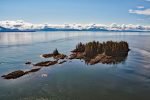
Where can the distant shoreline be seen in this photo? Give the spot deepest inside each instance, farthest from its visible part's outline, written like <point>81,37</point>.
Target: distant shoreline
<point>22,26</point>
<point>71,31</point>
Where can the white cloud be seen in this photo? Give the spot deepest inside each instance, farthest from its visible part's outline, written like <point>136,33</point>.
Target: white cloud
<point>147,0</point>
<point>22,25</point>
<point>140,7</point>
<point>140,12</point>
<point>140,19</point>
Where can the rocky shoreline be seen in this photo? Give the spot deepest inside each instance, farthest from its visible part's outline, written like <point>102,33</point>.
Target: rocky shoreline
<point>92,53</point>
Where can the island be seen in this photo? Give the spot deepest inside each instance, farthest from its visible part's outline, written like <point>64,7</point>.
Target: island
<point>109,52</point>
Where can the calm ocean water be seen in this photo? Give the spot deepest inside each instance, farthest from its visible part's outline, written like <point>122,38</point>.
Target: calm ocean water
<point>74,80</point>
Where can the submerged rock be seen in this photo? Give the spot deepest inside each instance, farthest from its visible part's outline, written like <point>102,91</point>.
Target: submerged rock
<point>62,62</point>
<point>46,63</point>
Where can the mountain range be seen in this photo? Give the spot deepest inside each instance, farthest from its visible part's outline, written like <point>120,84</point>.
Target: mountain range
<point>22,26</point>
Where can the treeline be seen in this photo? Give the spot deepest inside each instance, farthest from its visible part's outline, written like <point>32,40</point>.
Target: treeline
<point>109,48</point>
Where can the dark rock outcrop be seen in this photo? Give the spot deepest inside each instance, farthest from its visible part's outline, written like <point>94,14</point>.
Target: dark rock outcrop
<point>47,55</point>
<point>55,55</point>
<point>33,70</point>
<point>28,63</point>
<point>45,63</point>
<point>19,73</point>
<point>14,75</point>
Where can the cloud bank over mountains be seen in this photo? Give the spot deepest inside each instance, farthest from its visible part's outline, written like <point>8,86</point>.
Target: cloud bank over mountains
<point>22,26</point>
<point>140,12</point>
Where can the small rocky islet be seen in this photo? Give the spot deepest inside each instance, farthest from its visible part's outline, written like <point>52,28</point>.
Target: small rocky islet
<point>55,55</point>
<point>109,52</point>
<point>106,53</point>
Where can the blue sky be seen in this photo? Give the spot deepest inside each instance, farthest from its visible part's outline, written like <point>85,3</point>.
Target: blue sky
<point>77,11</point>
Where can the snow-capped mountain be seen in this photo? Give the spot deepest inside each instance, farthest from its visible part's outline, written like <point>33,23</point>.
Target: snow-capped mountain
<point>22,26</point>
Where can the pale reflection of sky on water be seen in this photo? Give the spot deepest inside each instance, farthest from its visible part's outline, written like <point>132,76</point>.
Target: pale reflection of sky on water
<point>27,37</point>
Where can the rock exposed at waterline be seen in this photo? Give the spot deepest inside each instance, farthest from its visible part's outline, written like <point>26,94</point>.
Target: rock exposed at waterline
<point>106,59</point>
<point>77,55</point>
<point>46,63</point>
<point>33,70</point>
<point>73,56</point>
<point>55,55</point>
<point>14,75</point>
<point>19,73</point>
<point>60,56</point>
<point>47,55</point>
<point>28,63</point>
